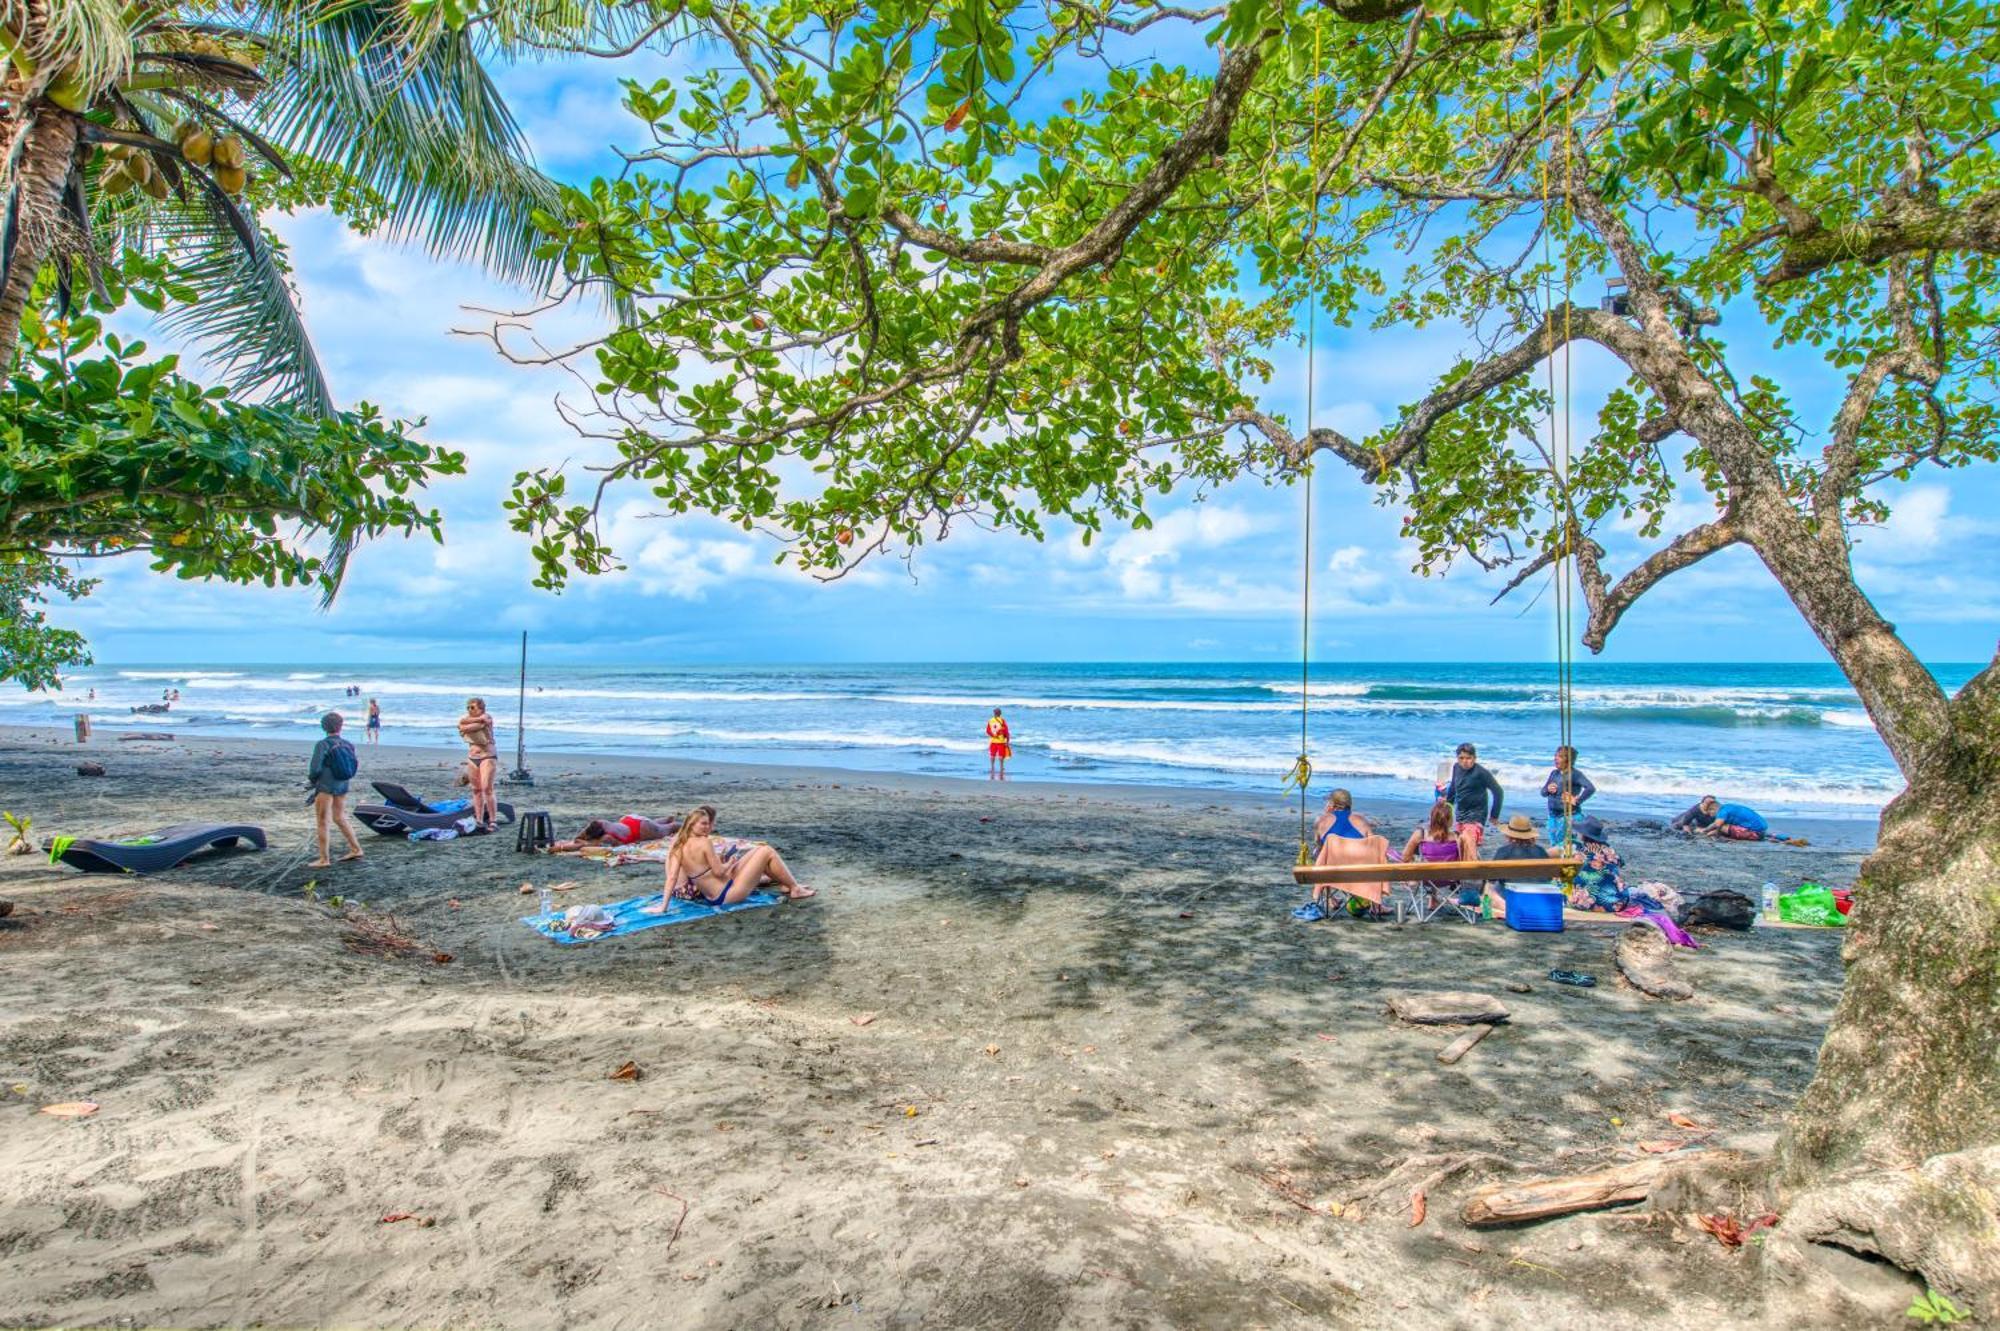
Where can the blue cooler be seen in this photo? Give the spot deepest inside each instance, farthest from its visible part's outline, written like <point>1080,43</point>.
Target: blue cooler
<point>1533,908</point>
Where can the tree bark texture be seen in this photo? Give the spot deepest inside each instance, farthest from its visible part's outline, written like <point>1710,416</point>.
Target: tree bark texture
<point>33,195</point>
<point>1891,1149</point>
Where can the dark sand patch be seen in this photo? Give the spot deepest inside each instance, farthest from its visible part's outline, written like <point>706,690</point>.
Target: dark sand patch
<point>1192,1121</point>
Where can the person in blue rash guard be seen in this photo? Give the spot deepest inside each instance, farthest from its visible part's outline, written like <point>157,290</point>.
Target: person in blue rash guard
<point>1733,822</point>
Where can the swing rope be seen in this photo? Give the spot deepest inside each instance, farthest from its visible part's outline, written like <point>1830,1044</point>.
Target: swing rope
<point>1559,455</point>
<point>1560,435</point>
<point>1301,774</point>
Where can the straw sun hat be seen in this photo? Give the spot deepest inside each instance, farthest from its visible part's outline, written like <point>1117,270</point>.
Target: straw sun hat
<point>1518,828</point>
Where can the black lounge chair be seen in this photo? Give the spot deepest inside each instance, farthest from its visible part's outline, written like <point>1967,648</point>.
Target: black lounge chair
<point>161,850</point>
<point>399,798</point>
<point>405,813</point>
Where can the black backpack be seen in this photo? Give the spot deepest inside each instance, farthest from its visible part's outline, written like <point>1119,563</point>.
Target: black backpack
<point>1729,910</point>
<point>341,760</point>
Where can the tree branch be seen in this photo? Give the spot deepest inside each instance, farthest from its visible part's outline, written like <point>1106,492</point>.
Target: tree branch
<point>1905,224</point>
<point>1207,136</point>
<point>1608,602</point>
<point>984,249</point>
<point>1904,359</point>
<point>1369,11</point>
<point>1558,326</point>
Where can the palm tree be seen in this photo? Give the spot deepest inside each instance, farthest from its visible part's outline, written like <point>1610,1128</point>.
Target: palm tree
<point>147,122</point>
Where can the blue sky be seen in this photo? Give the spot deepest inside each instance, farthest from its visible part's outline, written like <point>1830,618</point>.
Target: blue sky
<point>1216,580</point>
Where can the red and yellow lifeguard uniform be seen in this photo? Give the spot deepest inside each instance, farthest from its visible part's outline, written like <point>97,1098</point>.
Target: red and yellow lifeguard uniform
<point>997,737</point>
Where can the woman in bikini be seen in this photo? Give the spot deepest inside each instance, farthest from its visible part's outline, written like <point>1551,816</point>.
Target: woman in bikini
<point>482,760</point>
<point>696,873</point>
<point>626,831</point>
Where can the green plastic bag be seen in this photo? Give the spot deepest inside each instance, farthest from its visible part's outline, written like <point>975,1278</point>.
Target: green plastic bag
<point>1811,904</point>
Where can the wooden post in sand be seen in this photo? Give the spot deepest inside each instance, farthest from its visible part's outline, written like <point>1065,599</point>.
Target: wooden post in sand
<point>521,776</point>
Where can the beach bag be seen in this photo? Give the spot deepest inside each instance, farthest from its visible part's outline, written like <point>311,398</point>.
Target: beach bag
<point>1726,909</point>
<point>341,761</point>
<point>1811,904</point>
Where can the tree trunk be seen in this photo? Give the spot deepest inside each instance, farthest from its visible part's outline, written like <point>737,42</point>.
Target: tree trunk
<point>1911,1064</point>
<point>1890,1150</point>
<point>36,197</point>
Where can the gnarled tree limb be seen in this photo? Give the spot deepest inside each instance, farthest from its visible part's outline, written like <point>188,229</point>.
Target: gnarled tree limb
<point>1608,602</point>
<point>1906,224</point>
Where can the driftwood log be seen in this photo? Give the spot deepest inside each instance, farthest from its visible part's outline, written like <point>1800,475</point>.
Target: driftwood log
<point>1540,1199</point>
<point>1446,1008</point>
<point>1646,958</point>
<point>1456,1050</point>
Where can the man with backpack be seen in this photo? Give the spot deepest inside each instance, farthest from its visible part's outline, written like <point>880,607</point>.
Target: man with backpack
<point>333,765</point>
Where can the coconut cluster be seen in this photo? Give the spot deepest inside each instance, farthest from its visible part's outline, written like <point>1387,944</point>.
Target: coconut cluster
<point>223,156</point>
<point>128,168</point>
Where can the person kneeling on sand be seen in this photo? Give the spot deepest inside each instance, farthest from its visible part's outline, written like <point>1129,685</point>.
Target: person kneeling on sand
<point>1732,822</point>
<point>695,872</point>
<point>619,832</point>
<point>332,766</point>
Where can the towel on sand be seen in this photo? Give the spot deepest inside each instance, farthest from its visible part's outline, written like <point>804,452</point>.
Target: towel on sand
<point>627,918</point>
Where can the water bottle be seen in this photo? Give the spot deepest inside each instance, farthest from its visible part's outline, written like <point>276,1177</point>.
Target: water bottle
<point>1767,902</point>
<point>547,901</point>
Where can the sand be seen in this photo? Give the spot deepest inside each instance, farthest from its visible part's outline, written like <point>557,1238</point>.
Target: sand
<point>1037,1056</point>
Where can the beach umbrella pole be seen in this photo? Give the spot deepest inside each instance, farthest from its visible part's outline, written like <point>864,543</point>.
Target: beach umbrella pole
<point>521,776</point>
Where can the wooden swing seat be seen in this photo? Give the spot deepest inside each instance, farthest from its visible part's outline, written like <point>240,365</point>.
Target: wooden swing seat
<point>1443,871</point>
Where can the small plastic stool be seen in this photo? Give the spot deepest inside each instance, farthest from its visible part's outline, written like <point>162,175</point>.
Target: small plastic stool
<point>537,832</point>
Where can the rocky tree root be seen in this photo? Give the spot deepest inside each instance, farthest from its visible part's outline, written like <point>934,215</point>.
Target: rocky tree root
<point>1939,1221</point>
<point>1938,1224</point>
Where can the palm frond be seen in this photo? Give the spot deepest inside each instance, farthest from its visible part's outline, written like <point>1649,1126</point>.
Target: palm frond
<point>205,71</point>
<point>89,40</point>
<point>423,127</point>
<point>526,29</point>
<point>245,320</point>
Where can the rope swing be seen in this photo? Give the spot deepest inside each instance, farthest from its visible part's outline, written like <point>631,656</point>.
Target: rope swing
<point>1562,864</point>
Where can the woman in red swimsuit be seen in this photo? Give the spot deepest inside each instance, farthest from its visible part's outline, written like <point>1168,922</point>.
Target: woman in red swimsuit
<point>625,831</point>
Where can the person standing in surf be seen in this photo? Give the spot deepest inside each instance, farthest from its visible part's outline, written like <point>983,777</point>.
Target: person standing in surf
<point>999,747</point>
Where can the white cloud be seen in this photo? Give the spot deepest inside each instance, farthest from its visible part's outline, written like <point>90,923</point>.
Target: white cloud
<point>1920,520</point>
<point>1143,561</point>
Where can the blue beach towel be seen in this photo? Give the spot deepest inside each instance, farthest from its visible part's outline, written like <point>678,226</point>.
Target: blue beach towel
<point>627,918</point>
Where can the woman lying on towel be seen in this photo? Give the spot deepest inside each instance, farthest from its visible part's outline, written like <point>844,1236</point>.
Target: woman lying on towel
<point>623,831</point>
<point>695,872</point>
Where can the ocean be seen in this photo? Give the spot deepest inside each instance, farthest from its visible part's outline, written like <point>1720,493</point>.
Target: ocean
<point>1789,739</point>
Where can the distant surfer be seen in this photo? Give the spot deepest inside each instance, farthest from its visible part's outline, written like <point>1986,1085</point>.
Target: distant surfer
<point>999,747</point>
